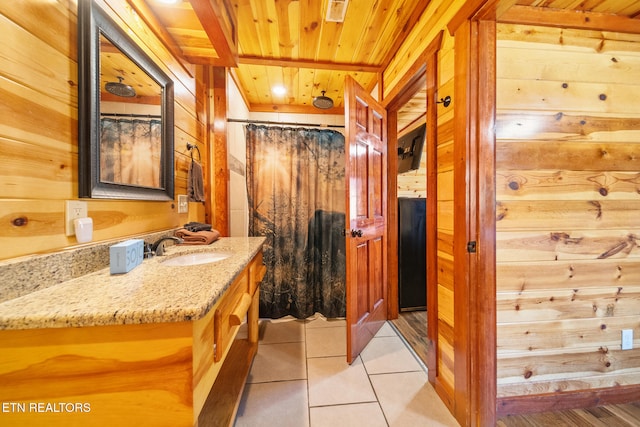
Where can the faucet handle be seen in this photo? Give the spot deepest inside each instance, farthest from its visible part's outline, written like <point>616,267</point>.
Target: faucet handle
<point>148,252</point>
<point>158,246</point>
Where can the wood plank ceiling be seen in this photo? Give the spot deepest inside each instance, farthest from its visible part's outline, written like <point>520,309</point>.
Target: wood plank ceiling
<point>290,43</point>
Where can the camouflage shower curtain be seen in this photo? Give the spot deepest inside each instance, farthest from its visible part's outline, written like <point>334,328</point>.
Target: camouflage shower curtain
<point>130,152</point>
<point>296,187</point>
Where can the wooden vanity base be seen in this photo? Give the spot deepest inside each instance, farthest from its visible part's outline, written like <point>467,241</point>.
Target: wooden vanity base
<point>131,375</point>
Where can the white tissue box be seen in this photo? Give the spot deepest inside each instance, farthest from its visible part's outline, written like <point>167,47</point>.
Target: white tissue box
<point>125,256</point>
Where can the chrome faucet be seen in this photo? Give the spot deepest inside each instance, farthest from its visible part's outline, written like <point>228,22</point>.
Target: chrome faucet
<point>157,247</point>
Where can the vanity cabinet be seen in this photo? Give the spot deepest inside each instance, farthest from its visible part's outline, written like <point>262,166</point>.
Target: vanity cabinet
<point>183,373</point>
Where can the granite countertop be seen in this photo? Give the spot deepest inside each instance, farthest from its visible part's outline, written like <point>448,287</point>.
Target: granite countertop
<point>150,293</point>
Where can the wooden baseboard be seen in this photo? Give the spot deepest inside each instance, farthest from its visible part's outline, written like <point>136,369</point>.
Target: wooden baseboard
<point>566,400</point>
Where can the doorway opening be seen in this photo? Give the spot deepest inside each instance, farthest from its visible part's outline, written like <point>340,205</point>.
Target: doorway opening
<point>410,104</point>
<point>411,192</point>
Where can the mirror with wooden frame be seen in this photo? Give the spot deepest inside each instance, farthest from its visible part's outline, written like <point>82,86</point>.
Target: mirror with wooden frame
<point>125,116</point>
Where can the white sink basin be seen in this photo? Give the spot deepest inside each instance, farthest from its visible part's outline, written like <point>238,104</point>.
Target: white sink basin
<point>195,259</point>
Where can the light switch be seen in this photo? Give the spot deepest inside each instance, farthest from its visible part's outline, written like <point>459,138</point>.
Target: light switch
<point>627,339</point>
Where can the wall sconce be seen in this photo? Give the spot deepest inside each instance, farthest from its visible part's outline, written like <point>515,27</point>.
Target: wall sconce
<point>446,101</point>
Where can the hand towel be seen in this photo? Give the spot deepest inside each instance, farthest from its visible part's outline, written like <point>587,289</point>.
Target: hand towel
<point>197,226</point>
<point>195,182</point>
<point>197,237</point>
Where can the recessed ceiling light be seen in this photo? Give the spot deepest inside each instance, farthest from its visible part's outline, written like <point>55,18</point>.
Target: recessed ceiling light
<point>168,1</point>
<point>279,90</point>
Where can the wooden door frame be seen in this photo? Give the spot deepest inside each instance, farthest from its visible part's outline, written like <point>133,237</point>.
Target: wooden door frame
<point>422,72</point>
<point>475,217</point>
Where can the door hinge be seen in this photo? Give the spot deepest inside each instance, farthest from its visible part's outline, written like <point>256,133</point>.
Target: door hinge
<point>471,247</point>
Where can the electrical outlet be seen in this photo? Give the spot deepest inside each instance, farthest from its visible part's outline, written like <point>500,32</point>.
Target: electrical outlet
<point>627,339</point>
<point>73,209</point>
<point>183,203</point>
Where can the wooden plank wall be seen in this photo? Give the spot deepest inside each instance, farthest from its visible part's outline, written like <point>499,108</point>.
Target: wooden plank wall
<point>38,129</point>
<point>436,17</point>
<point>568,198</point>
<point>445,228</point>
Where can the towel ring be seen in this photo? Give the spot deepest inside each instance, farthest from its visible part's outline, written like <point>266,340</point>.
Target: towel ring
<point>190,148</point>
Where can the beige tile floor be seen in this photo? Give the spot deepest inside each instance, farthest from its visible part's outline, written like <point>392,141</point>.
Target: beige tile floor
<point>300,378</point>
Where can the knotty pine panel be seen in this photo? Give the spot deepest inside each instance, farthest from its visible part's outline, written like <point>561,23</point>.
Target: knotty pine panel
<point>445,304</point>
<point>563,335</point>
<point>517,125</point>
<point>41,63</point>
<point>568,215</point>
<point>36,119</point>
<point>522,277</point>
<point>566,39</point>
<point>566,184</point>
<point>585,156</point>
<point>117,370</point>
<point>445,215</point>
<point>546,305</point>
<point>594,245</point>
<point>446,269</point>
<point>55,22</point>
<point>445,185</point>
<point>446,356</point>
<point>412,185</point>
<point>578,383</point>
<point>26,168</point>
<point>446,68</point>
<point>445,243</point>
<point>590,98</point>
<point>567,191</point>
<point>617,67</point>
<point>39,141</point>
<point>43,222</point>
<point>445,156</point>
<point>536,365</point>
<point>435,18</point>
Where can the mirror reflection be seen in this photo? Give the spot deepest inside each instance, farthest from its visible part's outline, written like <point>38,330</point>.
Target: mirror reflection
<point>125,114</point>
<point>130,121</point>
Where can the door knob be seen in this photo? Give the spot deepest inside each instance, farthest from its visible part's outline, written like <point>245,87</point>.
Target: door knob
<point>356,233</point>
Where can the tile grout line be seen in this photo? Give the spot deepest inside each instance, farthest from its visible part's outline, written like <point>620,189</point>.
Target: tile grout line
<point>373,388</point>
<point>411,350</point>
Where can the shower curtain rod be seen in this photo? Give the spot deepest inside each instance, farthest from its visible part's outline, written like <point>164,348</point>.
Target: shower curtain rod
<point>266,122</point>
<point>146,116</point>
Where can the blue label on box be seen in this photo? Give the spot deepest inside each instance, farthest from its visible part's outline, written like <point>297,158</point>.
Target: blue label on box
<point>125,256</point>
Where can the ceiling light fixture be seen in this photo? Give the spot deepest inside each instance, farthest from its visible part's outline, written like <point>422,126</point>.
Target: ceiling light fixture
<point>120,89</point>
<point>279,90</point>
<point>336,9</point>
<point>322,102</point>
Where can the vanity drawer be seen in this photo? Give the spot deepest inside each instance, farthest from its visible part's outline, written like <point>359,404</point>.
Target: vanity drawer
<point>257,271</point>
<point>230,313</point>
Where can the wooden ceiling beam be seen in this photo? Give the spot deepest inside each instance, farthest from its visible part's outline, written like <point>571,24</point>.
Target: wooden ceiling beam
<point>295,109</point>
<point>207,60</point>
<point>528,15</point>
<point>213,16</point>
<point>305,63</point>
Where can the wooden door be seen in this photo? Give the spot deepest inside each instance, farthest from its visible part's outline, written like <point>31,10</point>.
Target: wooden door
<point>366,207</point>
